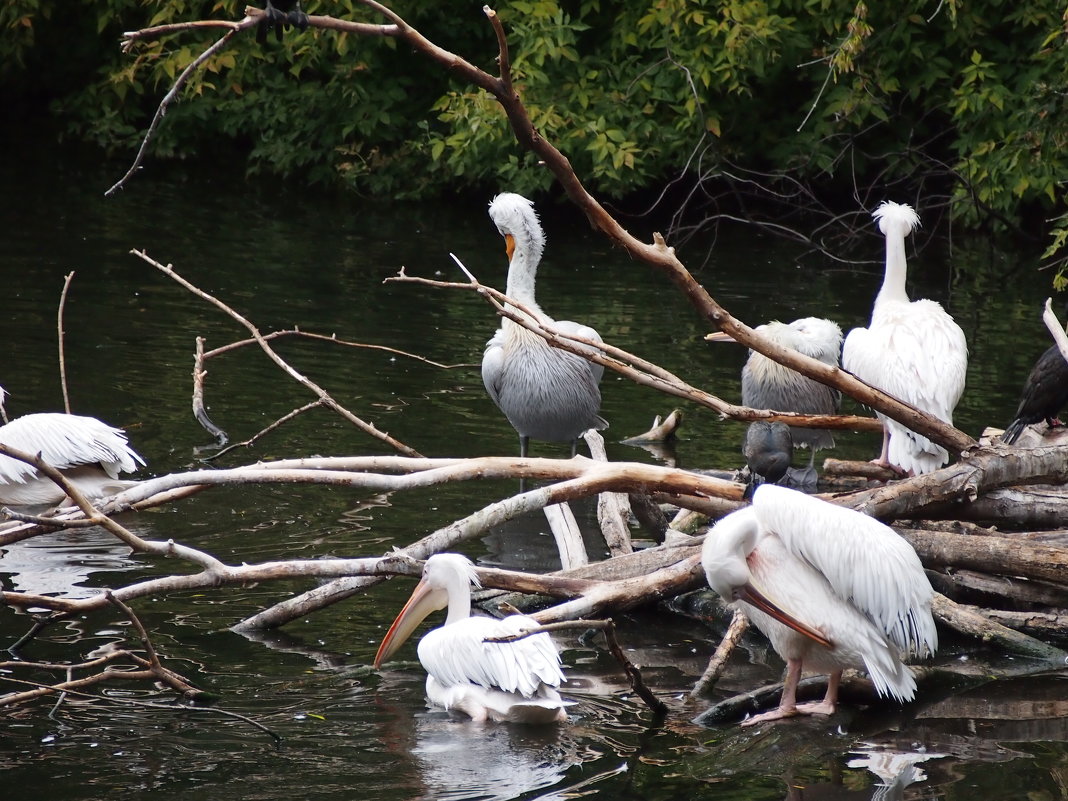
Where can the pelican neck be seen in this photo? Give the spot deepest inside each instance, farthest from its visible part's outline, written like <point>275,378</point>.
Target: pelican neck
<point>522,275</point>
<point>893,288</point>
<point>459,604</point>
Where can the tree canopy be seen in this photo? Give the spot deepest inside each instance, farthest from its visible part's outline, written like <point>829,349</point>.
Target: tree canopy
<point>960,104</point>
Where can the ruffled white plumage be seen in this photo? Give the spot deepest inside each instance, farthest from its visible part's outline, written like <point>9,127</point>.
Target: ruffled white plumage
<point>835,571</point>
<point>513,681</point>
<point>93,450</point>
<point>913,350</point>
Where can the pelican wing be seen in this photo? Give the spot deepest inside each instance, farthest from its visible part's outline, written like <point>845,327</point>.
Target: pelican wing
<point>493,365</point>
<point>865,562</point>
<point>584,331</point>
<point>458,653</point>
<point>65,441</point>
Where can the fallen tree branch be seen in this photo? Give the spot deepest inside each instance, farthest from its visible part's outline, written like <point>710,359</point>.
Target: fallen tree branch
<point>323,396</point>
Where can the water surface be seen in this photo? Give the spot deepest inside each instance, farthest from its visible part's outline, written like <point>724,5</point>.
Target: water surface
<point>285,258</point>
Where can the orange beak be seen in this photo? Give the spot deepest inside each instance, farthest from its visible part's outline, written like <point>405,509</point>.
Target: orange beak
<point>423,601</point>
<point>509,245</point>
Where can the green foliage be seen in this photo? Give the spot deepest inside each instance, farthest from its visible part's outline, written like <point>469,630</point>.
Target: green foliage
<point>634,92</point>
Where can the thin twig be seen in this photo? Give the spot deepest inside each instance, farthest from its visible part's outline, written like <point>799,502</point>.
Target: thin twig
<point>147,704</point>
<point>280,421</point>
<point>200,412</point>
<point>59,327</point>
<point>739,624</point>
<point>169,98</point>
<point>322,394</point>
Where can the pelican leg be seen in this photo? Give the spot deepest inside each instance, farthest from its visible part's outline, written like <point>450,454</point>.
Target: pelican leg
<point>524,446</point>
<point>830,699</point>
<point>788,702</point>
<point>884,460</point>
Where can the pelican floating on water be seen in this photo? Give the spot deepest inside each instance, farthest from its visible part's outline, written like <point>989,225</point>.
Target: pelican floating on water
<point>546,393</point>
<point>89,453</point>
<point>515,681</point>
<point>912,350</point>
<point>830,588</point>
<point>1045,393</point>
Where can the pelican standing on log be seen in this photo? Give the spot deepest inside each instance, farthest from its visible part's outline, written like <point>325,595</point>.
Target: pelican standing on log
<point>88,452</point>
<point>831,589</point>
<point>912,350</point>
<point>513,681</point>
<point>766,384</point>
<point>546,393</point>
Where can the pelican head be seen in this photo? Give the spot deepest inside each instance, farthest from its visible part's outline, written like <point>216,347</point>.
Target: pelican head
<point>517,222</point>
<point>446,582</point>
<point>899,216</point>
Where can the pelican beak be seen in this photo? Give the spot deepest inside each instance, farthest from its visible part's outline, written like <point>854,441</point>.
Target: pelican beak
<point>751,595</point>
<point>719,336</point>
<point>509,246</point>
<point>425,599</point>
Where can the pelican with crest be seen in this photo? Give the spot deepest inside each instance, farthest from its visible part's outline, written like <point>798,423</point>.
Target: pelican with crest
<point>912,350</point>
<point>546,393</point>
<point>515,681</point>
<point>831,589</point>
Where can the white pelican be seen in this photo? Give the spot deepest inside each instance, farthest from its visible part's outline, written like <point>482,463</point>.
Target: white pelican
<point>1045,393</point>
<point>766,384</point>
<point>830,587</point>
<point>515,681</point>
<point>89,453</point>
<point>912,349</point>
<point>546,393</point>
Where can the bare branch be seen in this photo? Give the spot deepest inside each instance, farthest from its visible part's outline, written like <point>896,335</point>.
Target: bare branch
<point>322,394</point>
<point>59,330</point>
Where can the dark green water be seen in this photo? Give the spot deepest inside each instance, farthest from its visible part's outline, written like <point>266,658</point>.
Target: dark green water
<point>287,258</point>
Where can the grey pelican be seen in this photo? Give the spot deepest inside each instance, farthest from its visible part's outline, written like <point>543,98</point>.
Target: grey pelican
<point>768,450</point>
<point>546,393</point>
<point>1045,392</point>
<point>89,453</point>
<point>515,681</point>
<point>831,588</point>
<point>766,384</point>
<point>912,349</point>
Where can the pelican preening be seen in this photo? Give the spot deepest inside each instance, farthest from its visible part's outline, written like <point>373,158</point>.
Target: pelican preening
<point>766,384</point>
<point>546,393</point>
<point>515,681</point>
<point>1045,393</point>
<point>830,588</point>
<point>912,349</point>
<point>91,454</point>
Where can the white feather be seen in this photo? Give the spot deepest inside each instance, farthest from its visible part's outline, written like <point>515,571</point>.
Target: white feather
<point>835,570</point>
<point>913,350</point>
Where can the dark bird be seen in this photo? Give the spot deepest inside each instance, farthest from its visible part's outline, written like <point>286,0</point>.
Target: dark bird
<point>768,449</point>
<point>1045,393</point>
<point>279,15</point>
<point>546,393</point>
